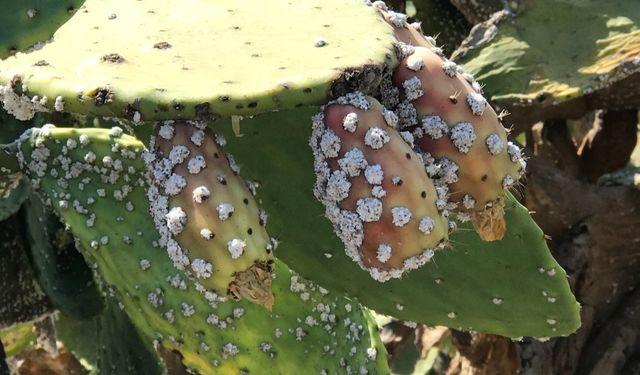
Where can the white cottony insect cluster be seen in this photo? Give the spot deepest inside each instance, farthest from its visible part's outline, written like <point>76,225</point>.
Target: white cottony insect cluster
<point>206,215</point>
<point>363,164</point>
<point>75,169</point>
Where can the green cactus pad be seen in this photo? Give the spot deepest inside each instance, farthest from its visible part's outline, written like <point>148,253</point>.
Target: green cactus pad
<point>538,58</point>
<point>197,59</point>
<point>25,23</point>
<point>60,270</point>
<point>308,330</point>
<point>471,286</point>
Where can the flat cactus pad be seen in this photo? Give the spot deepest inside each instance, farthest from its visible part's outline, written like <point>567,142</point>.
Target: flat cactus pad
<point>27,23</point>
<point>540,58</point>
<point>148,60</point>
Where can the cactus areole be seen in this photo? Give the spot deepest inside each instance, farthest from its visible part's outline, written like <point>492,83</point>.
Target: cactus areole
<point>401,150</point>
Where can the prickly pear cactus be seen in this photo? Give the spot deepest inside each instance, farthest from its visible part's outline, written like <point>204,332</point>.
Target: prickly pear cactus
<point>402,144</point>
<point>206,214</point>
<point>214,335</point>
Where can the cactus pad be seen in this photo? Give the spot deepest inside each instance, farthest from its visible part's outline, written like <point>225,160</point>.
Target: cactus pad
<point>26,23</point>
<point>309,330</point>
<point>206,214</point>
<point>537,63</point>
<point>469,286</point>
<point>375,189</point>
<point>200,59</point>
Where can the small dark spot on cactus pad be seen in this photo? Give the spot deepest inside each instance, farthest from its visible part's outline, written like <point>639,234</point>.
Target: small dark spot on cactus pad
<point>484,177</point>
<point>215,155</point>
<point>408,156</point>
<point>224,98</point>
<point>102,95</point>
<point>453,99</point>
<point>235,27</point>
<point>239,106</point>
<point>252,104</point>
<point>112,58</point>
<point>245,201</point>
<point>423,194</point>
<point>223,181</point>
<point>320,43</point>
<point>299,105</point>
<point>307,90</point>
<point>131,109</point>
<point>203,112</point>
<point>162,45</point>
<point>41,63</point>
<point>255,55</point>
<point>250,231</point>
<point>177,106</point>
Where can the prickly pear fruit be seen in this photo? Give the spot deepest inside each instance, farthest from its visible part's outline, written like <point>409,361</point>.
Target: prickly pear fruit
<point>375,188</point>
<point>206,214</point>
<point>310,329</point>
<point>461,136</point>
<point>404,32</point>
